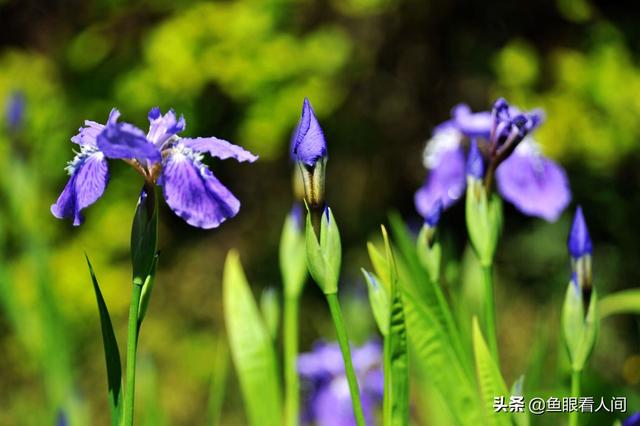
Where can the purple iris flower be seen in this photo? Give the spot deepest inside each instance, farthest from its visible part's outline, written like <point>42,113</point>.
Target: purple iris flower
<point>329,400</point>
<point>14,110</point>
<point>308,145</point>
<point>579,242</point>
<point>161,157</point>
<point>534,184</point>
<point>632,420</point>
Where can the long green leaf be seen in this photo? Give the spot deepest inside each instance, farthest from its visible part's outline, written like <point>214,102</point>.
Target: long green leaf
<point>111,353</point>
<point>491,382</point>
<point>438,360</point>
<point>418,282</point>
<point>622,302</point>
<point>396,361</point>
<point>251,348</point>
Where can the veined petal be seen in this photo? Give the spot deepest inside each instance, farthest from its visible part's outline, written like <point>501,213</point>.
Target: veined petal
<point>445,183</point>
<point>162,127</point>
<point>193,192</point>
<point>536,185</point>
<point>308,143</point>
<point>218,148</point>
<point>125,141</point>
<point>88,134</point>
<point>89,177</point>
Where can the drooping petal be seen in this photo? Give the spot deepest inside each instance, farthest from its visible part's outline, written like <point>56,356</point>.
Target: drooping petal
<point>162,127</point>
<point>536,185</point>
<point>309,144</point>
<point>446,182</point>
<point>474,125</point>
<point>194,193</point>
<point>87,135</point>
<point>89,177</point>
<point>125,141</point>
<point>218,148</point>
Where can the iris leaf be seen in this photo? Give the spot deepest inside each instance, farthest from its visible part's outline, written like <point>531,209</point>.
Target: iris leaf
<point>111,353</point>
<point>489,378</point>
<point>251,348</point>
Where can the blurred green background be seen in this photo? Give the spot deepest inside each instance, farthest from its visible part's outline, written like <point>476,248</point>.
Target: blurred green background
<point>380,74</point>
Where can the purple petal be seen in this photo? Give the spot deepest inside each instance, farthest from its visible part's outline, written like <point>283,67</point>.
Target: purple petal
<point>14,110</point>
<point>445,183</point>
<point>125,141</point>
<point>475,162</point>
<point>218,148</point>
<point>162,127</point>
<point>308,144</point>
<point>579,240</point>
<point>89,178</point>
<point>474,125</point>
<point>194,193</point>
<point>325,360</point>
<point>88,134</point>
<point>534,184</point>
<point>332,405</point>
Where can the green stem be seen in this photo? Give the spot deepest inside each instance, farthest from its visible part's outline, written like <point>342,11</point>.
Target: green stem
<point>575,392</point>
<point>343,340</point>
<point>386,401</point>
<point>490,313</point>
<point>132,343</point>
<point>292,385</point>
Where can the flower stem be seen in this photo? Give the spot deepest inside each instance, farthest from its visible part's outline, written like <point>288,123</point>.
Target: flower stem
<point>575,392</point>
<point>292,385</point>
<point>490,313</point>
<point>132,344</point>
<point>343,340</point>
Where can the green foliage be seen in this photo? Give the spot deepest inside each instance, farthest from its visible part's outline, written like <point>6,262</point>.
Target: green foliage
<point>489,378</point>
<point>324,256</point>
<point>111,354</point>
<point>293,260</point>
<point>622,302</point>
<point>251,347</point>
<point>244,49</point>
<point>580,328</point>
<point>484,221</point>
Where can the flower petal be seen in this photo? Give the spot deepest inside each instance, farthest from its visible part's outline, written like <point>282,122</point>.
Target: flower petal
<point>162,127</point>
<point>89,177</point>
<point>194,193</point>
<point>534,184</point>
<point>474,125</point>
<point>124,140</point>
<point>308,144</point>
<point>446,182</point>
<point>218,148</point>
<point>88,134</point>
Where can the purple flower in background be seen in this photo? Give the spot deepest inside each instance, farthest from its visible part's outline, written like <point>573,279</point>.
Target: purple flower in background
<point>329,400</point>
<point>632,420</point>
<point>161,157</point>
<point>14,110</point>
<point>534,184</point>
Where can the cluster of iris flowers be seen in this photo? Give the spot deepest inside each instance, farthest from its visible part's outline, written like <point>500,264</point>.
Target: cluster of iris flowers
<point>343,385</point>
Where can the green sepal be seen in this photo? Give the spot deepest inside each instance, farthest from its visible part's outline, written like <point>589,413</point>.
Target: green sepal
<point>293,262</point>
<point>144,236</point>
<point>324,256</point>
<point>484,220</point>
<point>379,301</point>
<point>580,330</point>
<point>111,353</point>
<point>429,252</point>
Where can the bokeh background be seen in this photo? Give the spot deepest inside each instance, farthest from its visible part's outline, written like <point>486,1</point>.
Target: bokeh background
<point>380,74</point>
